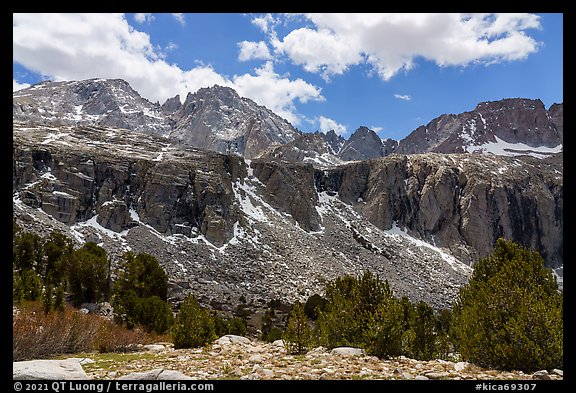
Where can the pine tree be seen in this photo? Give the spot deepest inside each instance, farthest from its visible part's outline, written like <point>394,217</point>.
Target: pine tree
<point>193,326</point>
<point>509,315</point>
<point>298,334</point>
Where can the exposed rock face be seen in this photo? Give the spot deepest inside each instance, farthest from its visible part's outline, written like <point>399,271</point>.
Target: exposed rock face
<point>463,203</point>
<point>334,142</point>
<point>506,127</point>
<point>215,118</point>
<point>224,227</point>
<point>363,144</point>
<point>308,148</point>
<point>120,189</point>
<point>325,150</point>
<point>219,119</point>
<point>103,102</point>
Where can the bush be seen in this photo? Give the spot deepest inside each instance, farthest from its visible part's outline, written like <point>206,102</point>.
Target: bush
<point>140,293</point>
<point>36,335</point>
<point>350,309</point>
<point>314,305</point>
<point>89,274</point>
<point>509,315</point>
<point>237,326</point>
<point>298,334</point>
<point>27,285</point>
<point>419,340</point>
<point>193,326</point>
<point>154,314</point>
<point>384,336</point>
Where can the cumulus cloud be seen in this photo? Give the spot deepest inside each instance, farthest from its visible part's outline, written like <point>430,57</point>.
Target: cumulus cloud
<point>391,43</point>
<point>253,51</point>
<point>18,86</point>
<point>404,97</point>
<point>143,17</point>
<point>83,46</point>
<point>265,23</point>
<point>326,124</point>
<point>277,92</point>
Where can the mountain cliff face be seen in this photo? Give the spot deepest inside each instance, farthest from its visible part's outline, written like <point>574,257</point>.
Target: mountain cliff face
<point>224,226</point>
<point>219,119</point>
<point>284,211</point>
<point>507,127</point>
<point>215,118</point>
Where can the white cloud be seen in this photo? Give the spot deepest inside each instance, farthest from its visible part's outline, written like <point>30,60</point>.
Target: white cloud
<point>404,97</point>
<point>180,18</point>
<point>84,46</point>
<point>253,51</point>
<point>311,49</point>
<point>264,23</point>
<point>143,18</point>
<point>18,86</point>
<point>276,92</point>
<point>327,124</point>
<point>391,42</point>
<point>376,129</point>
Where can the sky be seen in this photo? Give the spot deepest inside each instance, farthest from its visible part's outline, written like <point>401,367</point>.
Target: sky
<point>389,72</point>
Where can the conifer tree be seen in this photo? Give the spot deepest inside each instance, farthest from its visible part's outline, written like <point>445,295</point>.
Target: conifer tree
<point>509,315</point>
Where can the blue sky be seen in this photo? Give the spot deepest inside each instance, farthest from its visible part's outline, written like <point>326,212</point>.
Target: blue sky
<point>389,72</point>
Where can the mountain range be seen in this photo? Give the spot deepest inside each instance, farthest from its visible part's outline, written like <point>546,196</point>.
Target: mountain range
<point>236,202</point>
<point>218,119</point>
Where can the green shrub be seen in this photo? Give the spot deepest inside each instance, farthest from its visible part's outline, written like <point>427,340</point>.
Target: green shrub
<point>419,340</point>
<point>27,285</point>
<point>314,305</point>
<point>154,314</point>
<point>509,315</point>
<point>383,337</point>
<point>298,334</point>
<point>350,309</point>
<point>143,274</point>
<point>193,326</point>
<point>140,293</point>
<point>237,326</point>
<point>89,274</point>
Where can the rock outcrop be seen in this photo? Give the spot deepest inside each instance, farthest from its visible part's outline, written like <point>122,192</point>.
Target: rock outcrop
<point>225,227</point>
<point>365,144</point>
<point>507,127</point>
<point>68,369</point>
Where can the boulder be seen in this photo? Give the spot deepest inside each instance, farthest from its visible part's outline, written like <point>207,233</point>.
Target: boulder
<point>348,351</point>
<point>156,375</point>
<point>69,369</point>
<point>232,339</point>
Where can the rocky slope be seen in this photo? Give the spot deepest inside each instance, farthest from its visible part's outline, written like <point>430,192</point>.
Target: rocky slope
<point>507,127</point>
<point>236,357</point>
<point>104,102</point>
<point>219,119</point>
<point>225,227</point>
<point>215,118</point>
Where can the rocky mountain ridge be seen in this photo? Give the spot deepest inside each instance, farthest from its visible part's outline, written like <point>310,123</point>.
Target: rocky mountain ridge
<point>225,227</point>
<point>218,119</point>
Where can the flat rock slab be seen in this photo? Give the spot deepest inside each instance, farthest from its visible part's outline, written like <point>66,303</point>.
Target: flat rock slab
<point>156,375</point>
<point>69,369</point>
<point>347,351</point>
<point>232,339</point>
